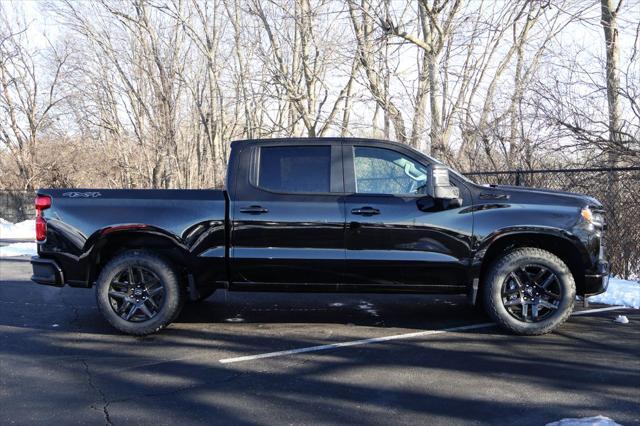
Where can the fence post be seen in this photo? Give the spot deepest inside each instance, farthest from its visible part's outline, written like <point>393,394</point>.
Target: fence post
<point>518,177</point>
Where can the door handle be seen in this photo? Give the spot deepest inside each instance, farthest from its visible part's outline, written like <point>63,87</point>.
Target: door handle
<point>365,211</point>
<point>253,210</point>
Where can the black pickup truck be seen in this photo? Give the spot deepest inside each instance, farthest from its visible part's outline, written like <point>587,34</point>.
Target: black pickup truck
<point>325,215</point>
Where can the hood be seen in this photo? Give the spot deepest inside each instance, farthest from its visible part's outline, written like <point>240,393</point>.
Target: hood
<point>523,194</point>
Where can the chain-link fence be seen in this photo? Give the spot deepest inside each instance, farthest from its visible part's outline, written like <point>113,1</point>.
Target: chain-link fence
<point>16,206</point>
<point>618,189</point>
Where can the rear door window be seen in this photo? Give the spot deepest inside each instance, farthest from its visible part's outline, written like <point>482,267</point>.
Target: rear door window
<point>303,169</point>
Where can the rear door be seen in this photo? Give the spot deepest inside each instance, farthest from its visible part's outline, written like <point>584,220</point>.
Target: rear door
<point>389,241</point>
<point>287,215</point>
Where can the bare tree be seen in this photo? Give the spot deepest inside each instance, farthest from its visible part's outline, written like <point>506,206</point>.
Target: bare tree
<point>158,88</point>
<point>363,25</point>
<point>610,27</point>
<point>27,100</point>
<point>436,25</point>
<point>299,59</point>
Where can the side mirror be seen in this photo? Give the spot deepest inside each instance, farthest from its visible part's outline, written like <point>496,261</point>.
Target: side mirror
<point>441,189</point>
<point>426,204</point>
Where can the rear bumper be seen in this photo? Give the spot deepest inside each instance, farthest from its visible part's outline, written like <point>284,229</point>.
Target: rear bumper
<point>47,272</point>
<point>598,282</point>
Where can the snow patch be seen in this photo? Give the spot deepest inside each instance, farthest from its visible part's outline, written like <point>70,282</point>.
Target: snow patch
<point>590,421</point>
<point>25,230</point>
<point>368,308</point>
<point>620,292</point>
<point>622,319</point>
<point>19,249</point>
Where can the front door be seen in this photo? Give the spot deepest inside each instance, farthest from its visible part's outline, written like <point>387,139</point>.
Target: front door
<point>288,216</point>
<point>390,241</point>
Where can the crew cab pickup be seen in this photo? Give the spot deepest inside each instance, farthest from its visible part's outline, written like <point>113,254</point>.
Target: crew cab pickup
<point>325,215</point>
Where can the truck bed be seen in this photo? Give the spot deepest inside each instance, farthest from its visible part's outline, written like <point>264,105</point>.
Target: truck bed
<point>82,220</point>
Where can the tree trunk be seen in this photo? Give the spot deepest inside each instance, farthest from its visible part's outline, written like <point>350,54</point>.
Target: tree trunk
<point>610,27</point>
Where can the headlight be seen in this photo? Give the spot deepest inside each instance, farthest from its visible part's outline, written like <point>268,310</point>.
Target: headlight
<point>592,217</point>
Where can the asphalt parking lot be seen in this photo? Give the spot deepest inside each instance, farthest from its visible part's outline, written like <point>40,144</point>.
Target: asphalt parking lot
<point>60,362</point>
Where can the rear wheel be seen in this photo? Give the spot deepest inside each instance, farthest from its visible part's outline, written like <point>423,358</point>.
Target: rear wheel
<point>139,293</point>
<point>529,291</point>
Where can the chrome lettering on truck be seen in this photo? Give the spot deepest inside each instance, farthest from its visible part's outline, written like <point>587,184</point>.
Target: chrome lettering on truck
<point>75,194</point>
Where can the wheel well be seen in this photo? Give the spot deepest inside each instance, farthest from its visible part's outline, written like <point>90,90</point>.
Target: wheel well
<point>114,245</point>
<point>560,247</point>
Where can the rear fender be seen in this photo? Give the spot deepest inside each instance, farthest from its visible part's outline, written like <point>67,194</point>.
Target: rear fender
<point>108,241</point>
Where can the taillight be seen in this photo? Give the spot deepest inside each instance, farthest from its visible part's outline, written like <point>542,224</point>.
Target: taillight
<point>43,202</point>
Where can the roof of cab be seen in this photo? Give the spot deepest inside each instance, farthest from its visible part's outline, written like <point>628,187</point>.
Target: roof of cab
<point>312,140</point>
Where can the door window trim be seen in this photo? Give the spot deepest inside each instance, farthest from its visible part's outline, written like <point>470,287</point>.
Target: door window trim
<point>336,172</point>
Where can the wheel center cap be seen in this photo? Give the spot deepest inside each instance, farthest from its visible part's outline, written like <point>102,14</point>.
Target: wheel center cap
<point>138,292</point>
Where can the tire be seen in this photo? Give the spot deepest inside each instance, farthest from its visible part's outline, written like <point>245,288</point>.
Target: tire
<point>146,303</point>
<point>517,279</point>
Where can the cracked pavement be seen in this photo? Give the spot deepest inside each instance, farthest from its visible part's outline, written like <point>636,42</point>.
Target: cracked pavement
<point>105,407</point>
<point>61,363</point>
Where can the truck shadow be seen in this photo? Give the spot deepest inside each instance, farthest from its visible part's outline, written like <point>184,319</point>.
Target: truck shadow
<point>379,310</point>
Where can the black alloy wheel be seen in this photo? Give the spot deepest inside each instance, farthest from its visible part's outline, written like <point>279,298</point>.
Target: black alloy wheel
<point>136,294</point>
<point>531,293</point>
<point>139,292</point>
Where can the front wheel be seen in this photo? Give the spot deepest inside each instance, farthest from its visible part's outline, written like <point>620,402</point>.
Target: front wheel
<point>529,291</point>
<point>139,293</point>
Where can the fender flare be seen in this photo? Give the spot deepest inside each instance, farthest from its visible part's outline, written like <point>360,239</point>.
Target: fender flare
<point>103,237</point>
<point>499,235</point>
<point>543,231</point>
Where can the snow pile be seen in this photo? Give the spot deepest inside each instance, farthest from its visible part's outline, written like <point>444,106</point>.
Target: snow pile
<point>620,292</point>
<point>25,230</point>
<point>18,249</point>
<point>584,421</point>
<point>621,319</point>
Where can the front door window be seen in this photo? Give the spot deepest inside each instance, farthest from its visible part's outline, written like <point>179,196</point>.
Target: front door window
<point>383,171</point>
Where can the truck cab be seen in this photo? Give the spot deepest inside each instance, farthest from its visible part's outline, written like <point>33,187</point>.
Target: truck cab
<point>350,214</point>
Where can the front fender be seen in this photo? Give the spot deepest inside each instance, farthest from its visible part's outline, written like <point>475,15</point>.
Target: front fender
<point>522,233</point>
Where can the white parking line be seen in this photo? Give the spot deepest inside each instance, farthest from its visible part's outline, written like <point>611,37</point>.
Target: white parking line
<point>355,343</point>
<point>386,339</point>
<point>591,311</point>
